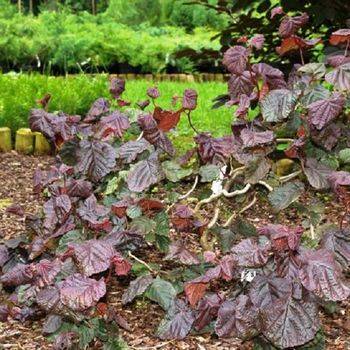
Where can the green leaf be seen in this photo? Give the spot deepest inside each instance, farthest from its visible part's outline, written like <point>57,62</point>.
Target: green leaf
<point>209,173</point>
<point>282,197</point>
<point>162,223</point>
<point>75,236</point>
<point>277,105</point>
<point>133,212</point>
<point>143,224</point>
<point>344,156</point>
<point>174,172</point>
<point>316,70</point>
<point>162,292</point>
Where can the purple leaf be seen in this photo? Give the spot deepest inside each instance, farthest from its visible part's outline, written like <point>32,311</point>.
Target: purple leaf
<point>256,170</point>
<point>328,137</point>
<point>129,151</point>
<point>113,125</point>
<point>4,255</point>
<point>214,150</point>
<point>51,324</point>
<point>56,210</point>
<point>93,256</point>
<point>49,299</point>
<point>236,318</point>
<point>80,293</point>
<point>321,275</point>
<point>207,309</point>
<point>273,77</point>
<point>337,241</point>
<point>46,271</point>
<point>144,174</point>
<point>189,100</point>
<point>289,25</point>
<point>253,139</point>
<point>79,188</point>
<point>249,254</point>
<point>265,291</point>
<point>243,106</point>
<point>125,239</point>
<point>117,87</point>
<point>340,77</point>
<point>65,340</point>
<point>257,41</point>
<point>16,209</point>
<point>336,61</point>
<point>324,111</point>
<point>143,104</point>
<point>5,311</point>
<point>276,11</point>
<point>282,237</point>
<point>153,92</point>
<point>178,251</point>
<point>239,84</point>
<point>136,288</point>
<point>96,159</point>
<point>339,178</point>
<point>236,58</point>
<point>177,322</point>
<point>94,214</point>
<point>317,174</point>
<point>19,274</point>
<point>291,322</point>
<point>98,108</point>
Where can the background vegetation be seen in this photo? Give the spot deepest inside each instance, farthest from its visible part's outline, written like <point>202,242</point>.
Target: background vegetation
<point>74,95</point>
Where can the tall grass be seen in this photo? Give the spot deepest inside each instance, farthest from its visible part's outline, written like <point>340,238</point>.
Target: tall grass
<point>75,94</point>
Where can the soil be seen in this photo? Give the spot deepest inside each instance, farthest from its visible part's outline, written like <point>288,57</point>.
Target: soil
<point>143,317</point>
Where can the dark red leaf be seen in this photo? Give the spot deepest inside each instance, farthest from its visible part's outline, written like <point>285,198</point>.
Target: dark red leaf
<point>253,139</point>
<point>295,43</point>
<point>17,275</point>
<point>121,266</point>
<point>46,271</point>
<point>16,209</point>
<point>340,36</point>
<point>241,83</point>
<point>166,120</point>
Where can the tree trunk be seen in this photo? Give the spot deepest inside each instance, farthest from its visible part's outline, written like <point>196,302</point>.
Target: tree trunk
<point>93,7</point>
<point>31,6</point>
<point>19,4</point>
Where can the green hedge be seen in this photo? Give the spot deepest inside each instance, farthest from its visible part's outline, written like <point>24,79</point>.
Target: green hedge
<point>75,94</point>
<point>61,42</point>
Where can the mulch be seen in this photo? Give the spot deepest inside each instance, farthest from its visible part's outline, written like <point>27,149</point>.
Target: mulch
<point>143,317</point>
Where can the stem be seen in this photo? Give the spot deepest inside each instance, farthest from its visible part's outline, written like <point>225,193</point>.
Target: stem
<point>265,184</point>
<point>141,262</point>
<point>190,122</point>
<point>347,47</point>
<point>286,178</point>
<point>233,216</point>
<point>191,190</point>
<point>140,136</point>
<point>301,56</point>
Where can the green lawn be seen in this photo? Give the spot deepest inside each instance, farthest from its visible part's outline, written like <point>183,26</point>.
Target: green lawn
<point>75,94</point>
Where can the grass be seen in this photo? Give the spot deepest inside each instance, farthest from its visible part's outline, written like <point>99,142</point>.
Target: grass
<point>74,95</point>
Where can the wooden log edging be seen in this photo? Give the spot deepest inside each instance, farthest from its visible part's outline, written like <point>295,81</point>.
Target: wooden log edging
<point>188,78</point>
<point>26,142</point>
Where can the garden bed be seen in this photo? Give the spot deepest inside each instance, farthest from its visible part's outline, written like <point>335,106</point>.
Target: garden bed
<point>142,316</point>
